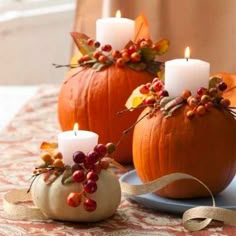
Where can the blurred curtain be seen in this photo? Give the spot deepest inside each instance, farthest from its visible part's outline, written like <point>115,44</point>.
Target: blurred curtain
<point>207,26</point>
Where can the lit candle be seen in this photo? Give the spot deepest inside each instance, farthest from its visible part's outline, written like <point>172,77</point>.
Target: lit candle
<point>186,73</point>
<point>115,31</point>
<point>75,140</point>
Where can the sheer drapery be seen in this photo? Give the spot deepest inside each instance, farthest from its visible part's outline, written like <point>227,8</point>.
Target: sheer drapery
<point>207,26</point>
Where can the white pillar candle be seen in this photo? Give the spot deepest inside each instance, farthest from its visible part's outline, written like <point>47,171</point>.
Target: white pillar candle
<point>106,7</point>
<point>115,31</point>
<point>75,140</point>
<point>181,74</point>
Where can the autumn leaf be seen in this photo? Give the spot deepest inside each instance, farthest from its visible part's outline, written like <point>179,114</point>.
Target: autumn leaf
<point>81,43</point>
<point>48,146</point>
<point>137,66</point>
<point>230,80</point>
<point>141,28</point>
<point>67,176</point>
<point>75,58</point>
<point>213,81</point>
<point>155,68</point>
<point>162,46</point>
<point>148,54</point>
<point>135,99</point>
<point>98,66</point>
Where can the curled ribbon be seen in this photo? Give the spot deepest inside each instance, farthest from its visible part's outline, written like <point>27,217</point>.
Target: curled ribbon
<point>190,217</point>
<point>12,206</point>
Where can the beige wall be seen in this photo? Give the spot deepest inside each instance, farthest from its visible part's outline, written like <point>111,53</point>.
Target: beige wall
<point>29,46</point>
<point>207,26</point>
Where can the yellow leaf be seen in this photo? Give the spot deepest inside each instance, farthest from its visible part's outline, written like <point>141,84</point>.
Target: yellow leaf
<point>135,99</point>
<point>75,58</point>
<point>162,46</point>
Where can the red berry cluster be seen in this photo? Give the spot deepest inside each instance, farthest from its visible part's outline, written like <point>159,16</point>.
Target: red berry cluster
<point>105,54</point>
<point>153,91</point>
<point>156,97</point>
<point>85,170</point>
<point>205,99</point>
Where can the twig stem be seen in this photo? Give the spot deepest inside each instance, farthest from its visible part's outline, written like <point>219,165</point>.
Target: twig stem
<point>131,127</point>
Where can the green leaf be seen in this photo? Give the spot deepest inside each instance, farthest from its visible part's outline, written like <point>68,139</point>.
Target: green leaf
<point>137,66</point>
<point>66,174</point>
<point>69,180</point>
<point>162,46</point>
<point>153,67</point>
<point>99,66</point>
<point>148,54</point>
<point>213,81</point>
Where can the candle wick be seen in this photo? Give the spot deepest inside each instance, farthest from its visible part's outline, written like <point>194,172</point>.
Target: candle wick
<point>75,133</point>
<point>186,58</point>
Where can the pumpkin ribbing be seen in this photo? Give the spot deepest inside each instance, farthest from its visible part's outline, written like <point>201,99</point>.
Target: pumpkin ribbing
<point>51,198</point>
<point>203,147</point>
<point>93,99</point>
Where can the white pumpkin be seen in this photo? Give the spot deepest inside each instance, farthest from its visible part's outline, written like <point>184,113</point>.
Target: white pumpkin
<point>52,199</point>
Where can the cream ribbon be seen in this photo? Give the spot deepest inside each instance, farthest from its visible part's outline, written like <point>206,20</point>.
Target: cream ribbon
<point>13,207</point>
<point>190,217</point>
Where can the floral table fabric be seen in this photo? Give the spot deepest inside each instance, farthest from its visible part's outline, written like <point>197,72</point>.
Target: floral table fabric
<point>19,153</point>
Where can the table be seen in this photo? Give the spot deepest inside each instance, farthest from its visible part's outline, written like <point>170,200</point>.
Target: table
<point>12,98</point>
<point>19,152</point>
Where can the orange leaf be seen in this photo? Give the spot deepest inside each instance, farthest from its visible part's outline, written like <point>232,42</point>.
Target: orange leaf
<point>81,43</point>
<point>47,146</point>
<point>141,28</point>
<point>230,80</point>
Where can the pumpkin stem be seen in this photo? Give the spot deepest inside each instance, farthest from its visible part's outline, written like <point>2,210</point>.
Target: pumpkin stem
<point>131,127</point>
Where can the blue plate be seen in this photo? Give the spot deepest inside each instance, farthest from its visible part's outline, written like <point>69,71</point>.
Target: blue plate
<point>225,199</point>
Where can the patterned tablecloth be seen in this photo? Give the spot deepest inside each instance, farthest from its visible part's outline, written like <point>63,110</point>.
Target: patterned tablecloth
<point>19,152</point>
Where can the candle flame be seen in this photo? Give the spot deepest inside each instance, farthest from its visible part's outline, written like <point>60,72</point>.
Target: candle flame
<point>118,14</point>
<point>76,128</point>
<point>187,53</point>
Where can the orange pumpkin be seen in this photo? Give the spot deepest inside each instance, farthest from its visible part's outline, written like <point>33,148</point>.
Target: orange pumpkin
<point>230,80</point>
<point>203,147</point>
<point>93,98</point>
